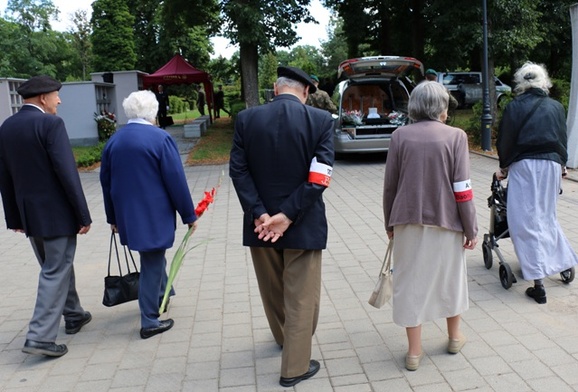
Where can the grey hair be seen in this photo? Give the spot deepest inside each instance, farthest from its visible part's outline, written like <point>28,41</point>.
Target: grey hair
<point>283,81</point>
<point>141,104</point>
<point>428,101</point>
<point>531,75</point>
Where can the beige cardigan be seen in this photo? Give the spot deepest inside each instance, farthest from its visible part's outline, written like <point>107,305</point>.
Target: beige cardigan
<point>427,161</point>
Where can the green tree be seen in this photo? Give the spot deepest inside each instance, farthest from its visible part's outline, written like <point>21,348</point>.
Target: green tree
<point>112,36</point>
<point>555,51</point>
<point>222,70</point>
<point>259,26</point>
<point>147,30</point>
<point>33,15</point>
<point>29,46</point>
<point>334,50</point>
<point>356,19</point>
<point>267,70</point>
<point>80,36</point>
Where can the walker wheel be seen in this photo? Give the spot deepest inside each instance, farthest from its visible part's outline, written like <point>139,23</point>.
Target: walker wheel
<point>487,251</point>
<point>567,275</point>
<point>506,276</point>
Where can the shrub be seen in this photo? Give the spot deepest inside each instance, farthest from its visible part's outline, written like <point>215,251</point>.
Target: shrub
<point>236,106</point>
<point>88,156</point>
<point>560,91</point>
<point>177,104</point>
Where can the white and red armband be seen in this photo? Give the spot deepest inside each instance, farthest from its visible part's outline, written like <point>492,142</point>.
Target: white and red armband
<point>320,173</point>
<point>463,191</point>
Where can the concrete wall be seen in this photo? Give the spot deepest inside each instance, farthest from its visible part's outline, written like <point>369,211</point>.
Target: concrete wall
<point>125,82</point>
<point>80,101</point>
<point>10,100</point>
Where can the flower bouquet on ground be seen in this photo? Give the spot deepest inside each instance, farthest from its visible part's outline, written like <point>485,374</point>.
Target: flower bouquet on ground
<point>183,249</point>
<point>352,117</point>
<point>397,118</point>
<point>105,124</point>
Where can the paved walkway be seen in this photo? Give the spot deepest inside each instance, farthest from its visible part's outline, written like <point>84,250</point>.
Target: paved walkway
<point>221,340</point>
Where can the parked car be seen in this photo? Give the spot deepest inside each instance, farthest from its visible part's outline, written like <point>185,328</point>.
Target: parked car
<point>372,100</point>
<point>467,87</point>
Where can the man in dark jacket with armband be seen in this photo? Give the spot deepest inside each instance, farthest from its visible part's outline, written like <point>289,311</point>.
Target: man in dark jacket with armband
<point>281,163</point>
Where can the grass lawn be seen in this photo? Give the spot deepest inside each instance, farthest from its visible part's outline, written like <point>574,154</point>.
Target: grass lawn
<point>185,117</point>
<point>214,147</point>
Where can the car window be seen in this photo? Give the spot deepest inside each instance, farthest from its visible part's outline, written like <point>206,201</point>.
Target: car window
<point>472,78</point>
<point>461,78</point>
<point>385,96</point>
<point>450,79</point>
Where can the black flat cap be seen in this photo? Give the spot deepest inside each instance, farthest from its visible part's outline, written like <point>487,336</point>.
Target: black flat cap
<point>297,74</point>
<point>37,85</point>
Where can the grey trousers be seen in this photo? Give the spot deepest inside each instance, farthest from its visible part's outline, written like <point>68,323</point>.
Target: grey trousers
<point>57,294</point>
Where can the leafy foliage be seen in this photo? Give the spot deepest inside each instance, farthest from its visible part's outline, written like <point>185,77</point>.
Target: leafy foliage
<point>112,38</point>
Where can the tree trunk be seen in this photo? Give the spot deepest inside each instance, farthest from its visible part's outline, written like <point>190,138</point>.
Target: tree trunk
<point>384,39</point>
<point>249,55</point>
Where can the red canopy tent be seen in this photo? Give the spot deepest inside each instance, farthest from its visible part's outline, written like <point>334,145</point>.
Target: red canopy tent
<point>179,71</point>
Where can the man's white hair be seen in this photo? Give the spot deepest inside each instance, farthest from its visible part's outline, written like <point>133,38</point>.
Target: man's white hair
<point>141,104</point>
<point>283,81</point>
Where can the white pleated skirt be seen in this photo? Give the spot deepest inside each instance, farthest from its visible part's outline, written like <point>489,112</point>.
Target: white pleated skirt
<point>539,242</point>
<point>429,274</point>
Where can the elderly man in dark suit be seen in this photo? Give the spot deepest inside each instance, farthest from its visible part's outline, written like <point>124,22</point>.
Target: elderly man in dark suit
<point>281,162</point>
<point>43,198</point>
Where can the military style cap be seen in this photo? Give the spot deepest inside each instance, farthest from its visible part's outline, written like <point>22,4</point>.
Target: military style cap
<point>298,75</point>
<point>431,72</point>
<point>314,77</point>
<point>38,85</point>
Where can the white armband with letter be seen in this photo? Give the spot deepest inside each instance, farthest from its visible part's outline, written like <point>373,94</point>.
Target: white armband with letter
<point>319,173</point>
<point>463,191</point>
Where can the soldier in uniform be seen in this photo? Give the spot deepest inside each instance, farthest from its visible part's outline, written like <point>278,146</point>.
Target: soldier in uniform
<point>320,99</point>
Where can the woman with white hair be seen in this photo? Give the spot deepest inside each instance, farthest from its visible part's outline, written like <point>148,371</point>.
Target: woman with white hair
<point>429,208</point>
<point>532,146</point>
<point>144,185</point>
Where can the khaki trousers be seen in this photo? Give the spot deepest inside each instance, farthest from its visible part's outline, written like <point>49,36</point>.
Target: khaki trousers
<point>290,286</point>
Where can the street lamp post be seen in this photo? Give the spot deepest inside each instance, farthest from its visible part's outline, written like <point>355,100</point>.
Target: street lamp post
<point>486,113</point>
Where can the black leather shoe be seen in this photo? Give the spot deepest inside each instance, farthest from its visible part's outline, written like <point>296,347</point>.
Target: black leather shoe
<point>538,293</point>
<point>43,348</point>
<point>72,327</point>
<point>289,382</point>
<point>165,325</point>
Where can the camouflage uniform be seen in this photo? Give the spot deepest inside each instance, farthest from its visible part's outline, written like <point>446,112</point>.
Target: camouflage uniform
<point>320,99</point>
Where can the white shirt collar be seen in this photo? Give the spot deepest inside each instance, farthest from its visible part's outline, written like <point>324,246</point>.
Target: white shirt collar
<point>139,121</point>
<point>36,106</point>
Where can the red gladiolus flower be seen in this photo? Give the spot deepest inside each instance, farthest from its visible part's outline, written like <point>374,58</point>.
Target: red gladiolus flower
<point>204,204</point>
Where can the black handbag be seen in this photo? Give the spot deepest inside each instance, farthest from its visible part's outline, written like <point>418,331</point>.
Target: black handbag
<point>122,288</point>
<point>166,121</point>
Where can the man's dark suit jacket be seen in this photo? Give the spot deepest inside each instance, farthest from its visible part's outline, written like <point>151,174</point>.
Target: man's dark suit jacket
<point>39,181</point>
<point>270,159</point>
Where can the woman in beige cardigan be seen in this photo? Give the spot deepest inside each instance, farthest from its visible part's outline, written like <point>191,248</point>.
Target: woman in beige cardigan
<point>429,208</point>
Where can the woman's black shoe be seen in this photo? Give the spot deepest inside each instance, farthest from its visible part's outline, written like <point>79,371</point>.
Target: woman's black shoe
<point>164,325</point>
<point>538,293</point>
